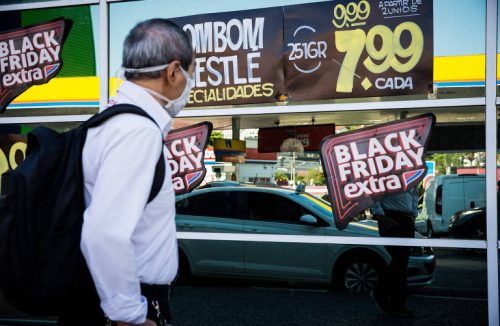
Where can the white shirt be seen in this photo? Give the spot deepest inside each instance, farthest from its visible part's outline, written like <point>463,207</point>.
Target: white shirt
<point>126,241</point>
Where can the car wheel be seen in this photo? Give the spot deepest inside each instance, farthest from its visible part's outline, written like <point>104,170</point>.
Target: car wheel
<point>359,274</point>
<point>478,234</point>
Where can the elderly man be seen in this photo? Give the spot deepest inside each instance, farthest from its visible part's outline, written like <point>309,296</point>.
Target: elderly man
<point>129,243</point>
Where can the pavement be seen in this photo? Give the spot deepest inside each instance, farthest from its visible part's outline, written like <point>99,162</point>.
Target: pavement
<point>263,306</point>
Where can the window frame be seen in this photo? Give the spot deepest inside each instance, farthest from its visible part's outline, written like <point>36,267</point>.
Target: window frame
<point>489,101</point>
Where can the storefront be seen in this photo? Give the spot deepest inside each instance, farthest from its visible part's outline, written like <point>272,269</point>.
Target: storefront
<point>275,64</point>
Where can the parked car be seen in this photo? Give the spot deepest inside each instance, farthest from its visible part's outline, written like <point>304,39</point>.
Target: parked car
<point>265,210</point>
<point>468,224</point>
<point>446,195</point>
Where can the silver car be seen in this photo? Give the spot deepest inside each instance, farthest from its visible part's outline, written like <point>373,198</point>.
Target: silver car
<point>267,210</point>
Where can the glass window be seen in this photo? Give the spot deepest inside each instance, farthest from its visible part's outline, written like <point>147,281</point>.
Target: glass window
<point>274,208</point>
<point>216,204</point>
<point>13,142</point>
<point>75,87</point>
<point>449,46</point>
<point>18,2</point>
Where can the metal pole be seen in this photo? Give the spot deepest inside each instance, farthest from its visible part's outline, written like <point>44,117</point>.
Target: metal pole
<point>103,54</point>
<point>236,135</point>
<point>491,155</point>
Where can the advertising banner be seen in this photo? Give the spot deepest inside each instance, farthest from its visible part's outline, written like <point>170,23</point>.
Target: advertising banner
<point>12,151</point>
<point>345,48</point>
<point>30,56</point>
<point>271,139</point>
<point>365,165</point>
<point>238,56</point>
<point>431,172</point>
<point>230,150</point>
<point>185,153</point>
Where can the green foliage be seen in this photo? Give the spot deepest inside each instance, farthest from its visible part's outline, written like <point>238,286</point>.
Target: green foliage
<point>280,177</point>
<point>315,177</point>
<point>214,135</point>
<point>443,161</point>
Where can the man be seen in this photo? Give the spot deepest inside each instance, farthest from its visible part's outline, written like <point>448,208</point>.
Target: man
<point>396,218</point>
<point>129,244</point>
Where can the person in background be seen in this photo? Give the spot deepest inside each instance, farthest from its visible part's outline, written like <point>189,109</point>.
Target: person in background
<point>396,218</point>
<point>130,245</point>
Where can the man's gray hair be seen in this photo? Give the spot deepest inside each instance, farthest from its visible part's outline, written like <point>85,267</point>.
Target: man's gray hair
<point>155,42</point>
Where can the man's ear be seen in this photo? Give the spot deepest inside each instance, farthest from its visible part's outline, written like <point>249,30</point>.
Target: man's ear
<point>172,70</point>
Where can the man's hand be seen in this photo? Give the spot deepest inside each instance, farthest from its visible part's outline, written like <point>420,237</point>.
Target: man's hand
<point>148,322</point>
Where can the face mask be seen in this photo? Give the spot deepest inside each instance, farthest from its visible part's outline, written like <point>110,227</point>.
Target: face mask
<point>173,107</point>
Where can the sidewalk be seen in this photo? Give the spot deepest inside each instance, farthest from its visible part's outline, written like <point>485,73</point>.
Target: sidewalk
<point>272,306</point>
<point>268,306</point>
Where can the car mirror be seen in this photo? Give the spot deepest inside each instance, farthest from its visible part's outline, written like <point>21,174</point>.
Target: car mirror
<point>308,219</point>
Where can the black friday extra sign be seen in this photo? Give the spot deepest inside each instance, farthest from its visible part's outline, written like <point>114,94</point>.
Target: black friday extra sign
<point>368,164</point>
<point>185,152</point>
<point>30,56</point>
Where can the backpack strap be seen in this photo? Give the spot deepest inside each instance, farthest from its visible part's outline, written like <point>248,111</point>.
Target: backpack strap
<point>99,118</point>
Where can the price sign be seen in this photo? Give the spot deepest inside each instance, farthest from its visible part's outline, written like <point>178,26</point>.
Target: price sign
<point>358,48</point>
<point>12,151</point>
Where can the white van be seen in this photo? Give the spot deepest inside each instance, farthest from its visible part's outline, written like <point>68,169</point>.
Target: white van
<point>446,195</point>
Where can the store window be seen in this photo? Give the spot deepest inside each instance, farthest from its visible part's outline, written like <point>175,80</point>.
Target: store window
<point>455,59</point>
<point>75,87</point>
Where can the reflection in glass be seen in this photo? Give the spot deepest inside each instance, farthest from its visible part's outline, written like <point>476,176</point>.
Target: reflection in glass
<point>75,88</point>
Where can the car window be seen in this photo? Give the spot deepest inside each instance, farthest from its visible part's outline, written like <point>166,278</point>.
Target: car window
<point>274,208</point>
<point>216,204</point>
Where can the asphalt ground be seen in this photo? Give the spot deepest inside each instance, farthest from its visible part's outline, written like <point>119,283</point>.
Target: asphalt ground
<point>232,305</point>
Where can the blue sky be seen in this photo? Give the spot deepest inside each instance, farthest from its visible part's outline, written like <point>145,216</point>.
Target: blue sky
<point>459,25</point>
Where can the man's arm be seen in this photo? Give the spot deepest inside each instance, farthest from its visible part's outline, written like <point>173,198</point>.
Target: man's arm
<point>126,168</point>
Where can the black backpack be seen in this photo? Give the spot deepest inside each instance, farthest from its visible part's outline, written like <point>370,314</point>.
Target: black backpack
<point>42,269</point>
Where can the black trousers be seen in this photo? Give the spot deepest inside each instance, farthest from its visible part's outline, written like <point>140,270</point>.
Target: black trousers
<point>392,284</point>
<point>89,312</point>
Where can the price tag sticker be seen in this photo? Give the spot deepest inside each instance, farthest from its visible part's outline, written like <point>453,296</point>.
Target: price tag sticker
<point>354,48</point>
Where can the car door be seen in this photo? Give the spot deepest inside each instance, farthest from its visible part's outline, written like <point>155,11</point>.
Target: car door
<point>474,192</point>
<point>211,211</point>
<point>275,214</point>
<point>452,201</point>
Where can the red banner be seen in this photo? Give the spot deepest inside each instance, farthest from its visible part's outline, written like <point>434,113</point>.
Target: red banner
<point>272,139</point>
<point>186,152</point>
<point>30,56</point>
<point>365,165</point>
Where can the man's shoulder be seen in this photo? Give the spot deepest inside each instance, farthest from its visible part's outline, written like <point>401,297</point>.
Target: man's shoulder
<point>129,121</point>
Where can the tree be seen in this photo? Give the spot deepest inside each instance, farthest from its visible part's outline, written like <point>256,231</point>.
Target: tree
<point>281,178</point>
<point>444,161</point>
<point>214,135</point>
<point>315,177</point>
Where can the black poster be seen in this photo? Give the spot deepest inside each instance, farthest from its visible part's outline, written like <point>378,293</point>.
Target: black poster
<point>341,49</point>
<point>238,56</point>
